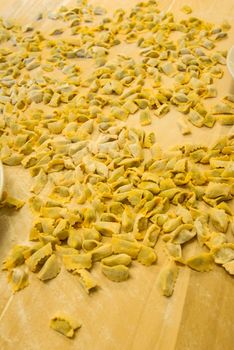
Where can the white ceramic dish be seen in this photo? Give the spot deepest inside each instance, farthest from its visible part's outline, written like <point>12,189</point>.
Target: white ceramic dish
<point>230,61</point>
<point>1,179</point>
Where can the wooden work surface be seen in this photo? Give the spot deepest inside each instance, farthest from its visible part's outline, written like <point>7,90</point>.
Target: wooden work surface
<point>130,315</point>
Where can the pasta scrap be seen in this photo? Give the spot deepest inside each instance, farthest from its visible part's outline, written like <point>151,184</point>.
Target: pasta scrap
<point>167,279</point>
<point>65,325</point>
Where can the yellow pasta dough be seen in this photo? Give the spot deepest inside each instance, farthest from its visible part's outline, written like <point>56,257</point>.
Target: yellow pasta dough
<point>64,324</point>
<point>167,279</point>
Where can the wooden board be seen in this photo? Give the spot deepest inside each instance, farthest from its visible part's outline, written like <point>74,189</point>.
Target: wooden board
<point>130,315</point>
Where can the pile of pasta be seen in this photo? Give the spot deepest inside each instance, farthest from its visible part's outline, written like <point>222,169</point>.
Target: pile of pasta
<point>111,205</point>
<point>105,192</point>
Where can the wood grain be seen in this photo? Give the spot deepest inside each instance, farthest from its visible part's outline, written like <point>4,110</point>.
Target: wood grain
<point>130,315</point>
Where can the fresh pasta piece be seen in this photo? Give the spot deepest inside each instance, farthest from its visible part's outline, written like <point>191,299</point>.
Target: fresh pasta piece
<point>101,252</point>
<point>171,224</point>
<point>195,118</point>
<point>117,273</point>
<point>186,9</point>
<point>128,220</point>
<point>53,212</point>
<point>64,324</point>
<point>15,258</point>
<point>40,182</point>
<point>129,247</point>
<point>118,259</point>
<point>203,233</point>
<point>146,256</point>
<point>74,238</point>
<point>107,228</point>
<point>86,280</point>
<point>174,251</point>
<point>184,126</point>
<point>90,244</point>
<point>215,190</point>
<point>18,278</point>
<point>37,259</point>
<point>140,227</point>
<point>223,253</point>
<point>145,117</point>
<point>50,269</point>
<point>181,227</point>
<point>35,204</point>
<point>74,262</point>
<point>219,219</point>
<point>183,236</point>
<point>61,231</point>
<point>215,239</point>
<point>201,262</point>
<point>168,68</point>
<point>64,250</point>
<point>151,235</point>
<point>10,202</point>
<point>184,214</point>
<point>89,233</point>
<point>226,119</point>
<point>222,108</point>
<point>167,279</point>
<point>229,267</point>
<point>162,110</point>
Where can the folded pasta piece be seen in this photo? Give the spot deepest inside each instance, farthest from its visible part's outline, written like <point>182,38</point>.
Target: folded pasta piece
<point>151,235</point>
<point>107,228</point>
<point>18,278</point>
<point>196,118</point>
<point>37,259</point>
<point>118,259</point>
<point>215,239</point>
<point>61,231</point>
<point>183,235</point>
<point>184,126</point>
<point>74,262</point>
<point>10,202</point>
<point>171,224</point>
<point>223,253</point>
<point>74,238</point>
<point>40,182</point>
<point>126,245</point>
<point>215,189</point>
<point>167,278</point>
<point>219,219</point>
<point>86,280</point>
<point>102,252</point>
<point>225,119</point>
<point>203,233</point>
<point>128,219</point>
<point>174,251</point>
<point>64,324</point>
<point>117,273</point>
<point>15,258</point>
<point>184,214</point>
<point>146,256</point>
<point>229,267</point>
<point>50,269</point>
<point>145,117</point>
<point>201,262</point>
<point>140,226</point>
<point>222,108</point>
